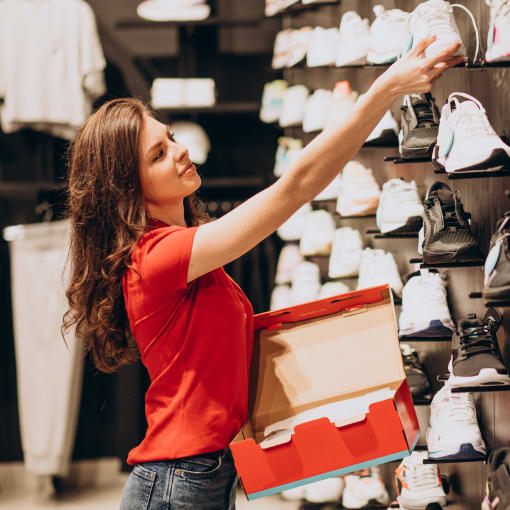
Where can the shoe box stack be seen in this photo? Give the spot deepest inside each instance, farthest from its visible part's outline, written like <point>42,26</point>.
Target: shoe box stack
<point>422,207</point>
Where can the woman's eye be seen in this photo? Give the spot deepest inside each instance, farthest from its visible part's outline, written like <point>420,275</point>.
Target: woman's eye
<point>159,155</point>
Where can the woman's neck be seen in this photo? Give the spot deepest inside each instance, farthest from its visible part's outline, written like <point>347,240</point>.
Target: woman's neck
<point>171,214</point>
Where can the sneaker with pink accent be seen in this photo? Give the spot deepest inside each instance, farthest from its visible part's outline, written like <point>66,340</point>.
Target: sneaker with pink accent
<point>498,41</point>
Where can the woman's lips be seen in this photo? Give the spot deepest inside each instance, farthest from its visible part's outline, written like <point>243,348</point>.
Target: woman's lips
<point>188,169</point>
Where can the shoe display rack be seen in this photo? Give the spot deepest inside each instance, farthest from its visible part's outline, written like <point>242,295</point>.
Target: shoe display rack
<point>485,193</point>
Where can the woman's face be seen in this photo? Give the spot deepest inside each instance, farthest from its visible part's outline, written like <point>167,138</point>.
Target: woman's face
<point>166,172</point>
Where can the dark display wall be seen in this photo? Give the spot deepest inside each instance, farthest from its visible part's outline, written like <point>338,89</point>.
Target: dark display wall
<point>485,198</point>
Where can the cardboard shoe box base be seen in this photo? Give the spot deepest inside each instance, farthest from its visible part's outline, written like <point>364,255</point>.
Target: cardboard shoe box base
<point>315,354</point>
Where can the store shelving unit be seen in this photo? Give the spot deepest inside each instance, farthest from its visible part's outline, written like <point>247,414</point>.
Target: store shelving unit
<point>445,265</point>
<point>395,235</point>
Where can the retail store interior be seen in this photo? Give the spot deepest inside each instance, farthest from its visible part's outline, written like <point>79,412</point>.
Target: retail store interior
<point>422,207</point>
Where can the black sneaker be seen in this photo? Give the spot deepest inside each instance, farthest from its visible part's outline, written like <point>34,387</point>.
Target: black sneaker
<point>497,264</point>
<point>476,359</point>
<point>420,125</point>
<point>447,233</point>
<point>416,374</point>
<point>498,480</point>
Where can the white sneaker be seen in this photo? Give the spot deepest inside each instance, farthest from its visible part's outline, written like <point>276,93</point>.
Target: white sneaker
<point>292,229</point>
<point>434,17</point>
<point>466,139</point>
<point>418,484</point>
<point>424,307</point>
<point>322,47</point>
<point>346,253</point>
<point>453,431</point>
<point>272,100</point>
<point>280,297</point>
<point>360,490</point>
<point>353,40</point>
<point>290,257</point>
<point>343,101</point>
<point>306,283</point>
<point>317,110</point>
<point>293,108</point>
<point>324,491</point>
<point>498,40</point>
<point>294,494</point>
<point>386,34</point>
<point>282,48</point>
<point>287,152</point>
<point>377,268</point>
<point>400,207</point>
<point>359,191</point>
<point>330,192</point>
<point>299,45</point>
<point>318,232</point>
<point>329,289</point>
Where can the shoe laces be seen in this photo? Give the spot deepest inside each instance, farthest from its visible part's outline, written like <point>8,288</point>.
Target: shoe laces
<point>405,192</point>
<point>473,121</point>
<point>478,339</point>
<point>422,476</point>
<point>430,291</point>
<point>459,410</point>
<point>423,111</point>
<point>454,217</point>
<point>501,9</point>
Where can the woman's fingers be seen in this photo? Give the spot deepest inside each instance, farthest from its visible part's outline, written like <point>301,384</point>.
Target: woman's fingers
<point>441,67</point>
<point>442,56</point>
<point>421,46</point>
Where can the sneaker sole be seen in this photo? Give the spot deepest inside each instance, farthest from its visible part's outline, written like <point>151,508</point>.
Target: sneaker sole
<point>500,293</point>
<point>381,58</point>
<point>387,137</point>
<point>486,377</point>
<point>497,157</point>
<point>420,504</point>
<point>465,452</point>
<point>412,225</point>
<point>432,331</point>
<point>417,152</point>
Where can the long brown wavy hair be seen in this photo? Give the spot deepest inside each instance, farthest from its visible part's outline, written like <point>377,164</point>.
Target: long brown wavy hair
<point>108,218</point>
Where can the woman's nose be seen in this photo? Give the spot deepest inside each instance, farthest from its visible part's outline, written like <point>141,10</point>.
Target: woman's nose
<point>181,152</point>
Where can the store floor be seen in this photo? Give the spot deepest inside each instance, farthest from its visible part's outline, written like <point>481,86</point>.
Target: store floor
<point>109,498</point>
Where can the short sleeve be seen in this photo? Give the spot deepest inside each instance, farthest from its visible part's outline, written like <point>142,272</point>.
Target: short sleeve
<point>163,258</point>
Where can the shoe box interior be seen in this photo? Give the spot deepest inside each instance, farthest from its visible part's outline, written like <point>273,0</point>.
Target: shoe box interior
<point>241,162</point>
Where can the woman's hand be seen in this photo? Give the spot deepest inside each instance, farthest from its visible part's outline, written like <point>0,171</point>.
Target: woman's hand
<point>414,73</point>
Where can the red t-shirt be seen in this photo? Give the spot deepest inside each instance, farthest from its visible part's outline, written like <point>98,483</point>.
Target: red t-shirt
<point>196,342</point>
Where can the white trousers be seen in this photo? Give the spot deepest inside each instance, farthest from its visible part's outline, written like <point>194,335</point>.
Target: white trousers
<point>49,374</point>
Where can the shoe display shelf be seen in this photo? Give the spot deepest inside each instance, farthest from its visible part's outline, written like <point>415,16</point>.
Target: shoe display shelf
<point>246,107</point>
<point>485,173</point>
<point>134,23</point>
<point>443,338</point>
<point>391,235</point>
<point>449,264</point>
<point>397,160</point>
<point>474,389</point>
<point>297,7</point>
<point>452,461</point>
<point>479,295</point>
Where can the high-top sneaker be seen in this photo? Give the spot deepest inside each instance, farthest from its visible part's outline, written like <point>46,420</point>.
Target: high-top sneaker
<point>386,35</point>
<point>424,307</point>
<point>418,485</point>
<point>466,139</point>
<point>420,125</point>
<point>498,480</point>
<point>378,267</point>
<point>416,375</point>
<point>498,41</point>
<point>497,263</point>
<point>447,231</point>
<point>476,359</point>
<point>453,432</point>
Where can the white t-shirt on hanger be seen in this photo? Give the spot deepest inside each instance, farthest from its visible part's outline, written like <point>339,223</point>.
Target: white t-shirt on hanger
<point>51,65</point>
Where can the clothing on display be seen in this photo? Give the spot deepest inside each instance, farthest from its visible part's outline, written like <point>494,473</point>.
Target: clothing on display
<point>49,373</point>
<point>49,80</point>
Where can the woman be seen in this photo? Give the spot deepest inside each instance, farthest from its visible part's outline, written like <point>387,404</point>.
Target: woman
<point>147,278</point>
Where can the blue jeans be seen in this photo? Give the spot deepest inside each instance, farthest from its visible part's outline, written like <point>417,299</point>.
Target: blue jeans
<point>201,482</point>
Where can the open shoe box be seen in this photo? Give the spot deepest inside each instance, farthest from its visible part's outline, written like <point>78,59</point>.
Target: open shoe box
<point>318,354</point>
